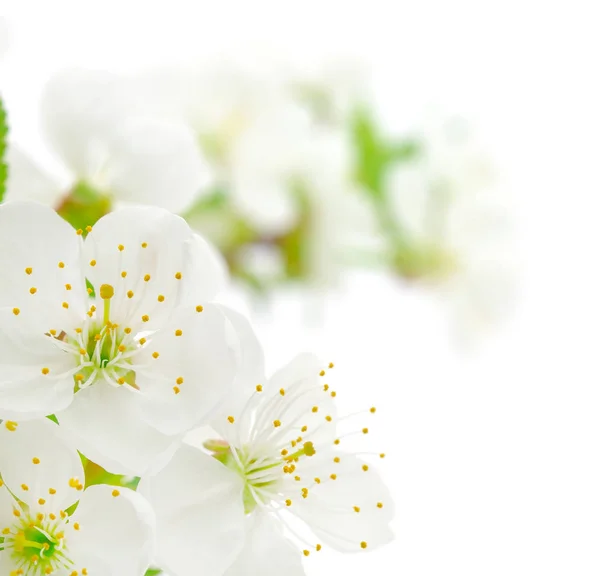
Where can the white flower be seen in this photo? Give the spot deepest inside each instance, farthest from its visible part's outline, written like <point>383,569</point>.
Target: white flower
<point>110,533</point>
<point>277,464</point>
<point>96,124</point>
<point>146,353</point>
<point>452,213</point>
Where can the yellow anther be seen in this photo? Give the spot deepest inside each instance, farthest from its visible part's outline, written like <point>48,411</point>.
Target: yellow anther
<point>304,429</point>
<point>199,308</point>
<point>51,491</point>
<point>65,305</point>
<point>24,487</point>
<point>328,418</point>
<point>98,337</point>
<point>333,394</point>
<point>28,271</point>
<point>124,274</point>
<point>16,512</point>
<point>306,552</point>
<point>10,425</point>
<point>363,545</point>
<point>331,364</point>
<point>145,318</point>
<point>83,351</point>
<point>68,287</point>
<point>365,468</point>
<point>282,392</point>
<point>379,504</point>
<point>179,380</point>
<point>115,493</point>
<point>315,409</point>
<point>92,263</point>
<point>52,516</point>
<point>318,547</point>
<point>88,229</point>
<point>178,276</point>
<point>259,388</point>
<point>326,387</point>
<point>155,355</point>
<point>284,452</point>
<point>144,244</point>
<point>33,290</point>
<point>176,389</point>
<point>41,501</point>
<point>333,476</point>
<point>122,348</point>
<point>231,419</point>
<point>127,330</point>
<point>142,341</point>
<point>337,459</point>
<point>121,381</point>
<point>35,460</point>
<point>130,294</point>
<point>276,423</point>
<point>365,430</point>
<point>178,332</point>
<point>61,264</point>
<point>121,247</point>
<point>382,455</point>
<point>147,278</point>
<point>317,480</point>
<point>76,526</point>
<point>373,410</point>
<point>90,291</point>
<point>309,449</point>
<point>106,291</point>
<point>161,298</point>
<point>16,311</point>
<point>336,441</point>
<point>297,478</point>
<point>45,371</point>
<point>322,373</point>
<point>288,502</point>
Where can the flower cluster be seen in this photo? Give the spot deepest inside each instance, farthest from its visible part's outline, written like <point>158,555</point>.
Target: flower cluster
<point>112,350</point>
<point>288,174</point>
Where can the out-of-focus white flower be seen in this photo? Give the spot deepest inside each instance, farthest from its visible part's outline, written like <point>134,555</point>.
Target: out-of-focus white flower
<point>123,318</point>
<point>453,224</point>
<point>4,36</point>
<point>96,124</point>
<point>278,464</point>
<point>111,531</point>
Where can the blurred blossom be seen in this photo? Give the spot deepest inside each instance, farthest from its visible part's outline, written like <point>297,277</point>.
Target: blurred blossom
<point>114,153</point>
<point>4,36</point>
<point>448,223</point>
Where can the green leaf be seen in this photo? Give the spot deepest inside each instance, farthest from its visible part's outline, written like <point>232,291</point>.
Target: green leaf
<point>3,135</point>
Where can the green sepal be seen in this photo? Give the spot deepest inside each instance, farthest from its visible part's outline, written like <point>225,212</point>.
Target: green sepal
<point>84,206</point>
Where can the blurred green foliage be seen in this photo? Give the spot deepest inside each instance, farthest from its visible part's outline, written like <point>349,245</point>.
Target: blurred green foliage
<point>3,136</point>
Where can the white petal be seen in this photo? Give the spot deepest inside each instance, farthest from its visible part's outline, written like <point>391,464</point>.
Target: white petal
<point>27,181</point>
<point>160,257</point>
<point>200,513</point>
<point>199,347</point>
<point>7,504</point>
<point>26,392</point>
<point>80,110</point>
<point>156,162</point>
<point>251,370</point>
<point>35,458</point>
<point>54,241</point>
<point>329,508</point>
<point>266,552</point>
<point>107,426</point>
<point>304,390</point>
<point>118,529</point>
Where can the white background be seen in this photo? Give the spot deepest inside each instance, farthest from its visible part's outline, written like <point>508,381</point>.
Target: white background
<point>493,452</point>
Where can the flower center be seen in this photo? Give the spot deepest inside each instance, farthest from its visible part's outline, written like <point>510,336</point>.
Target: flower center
<point>36,545</point>
<point>104,350</point>
<point>262,474</point>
